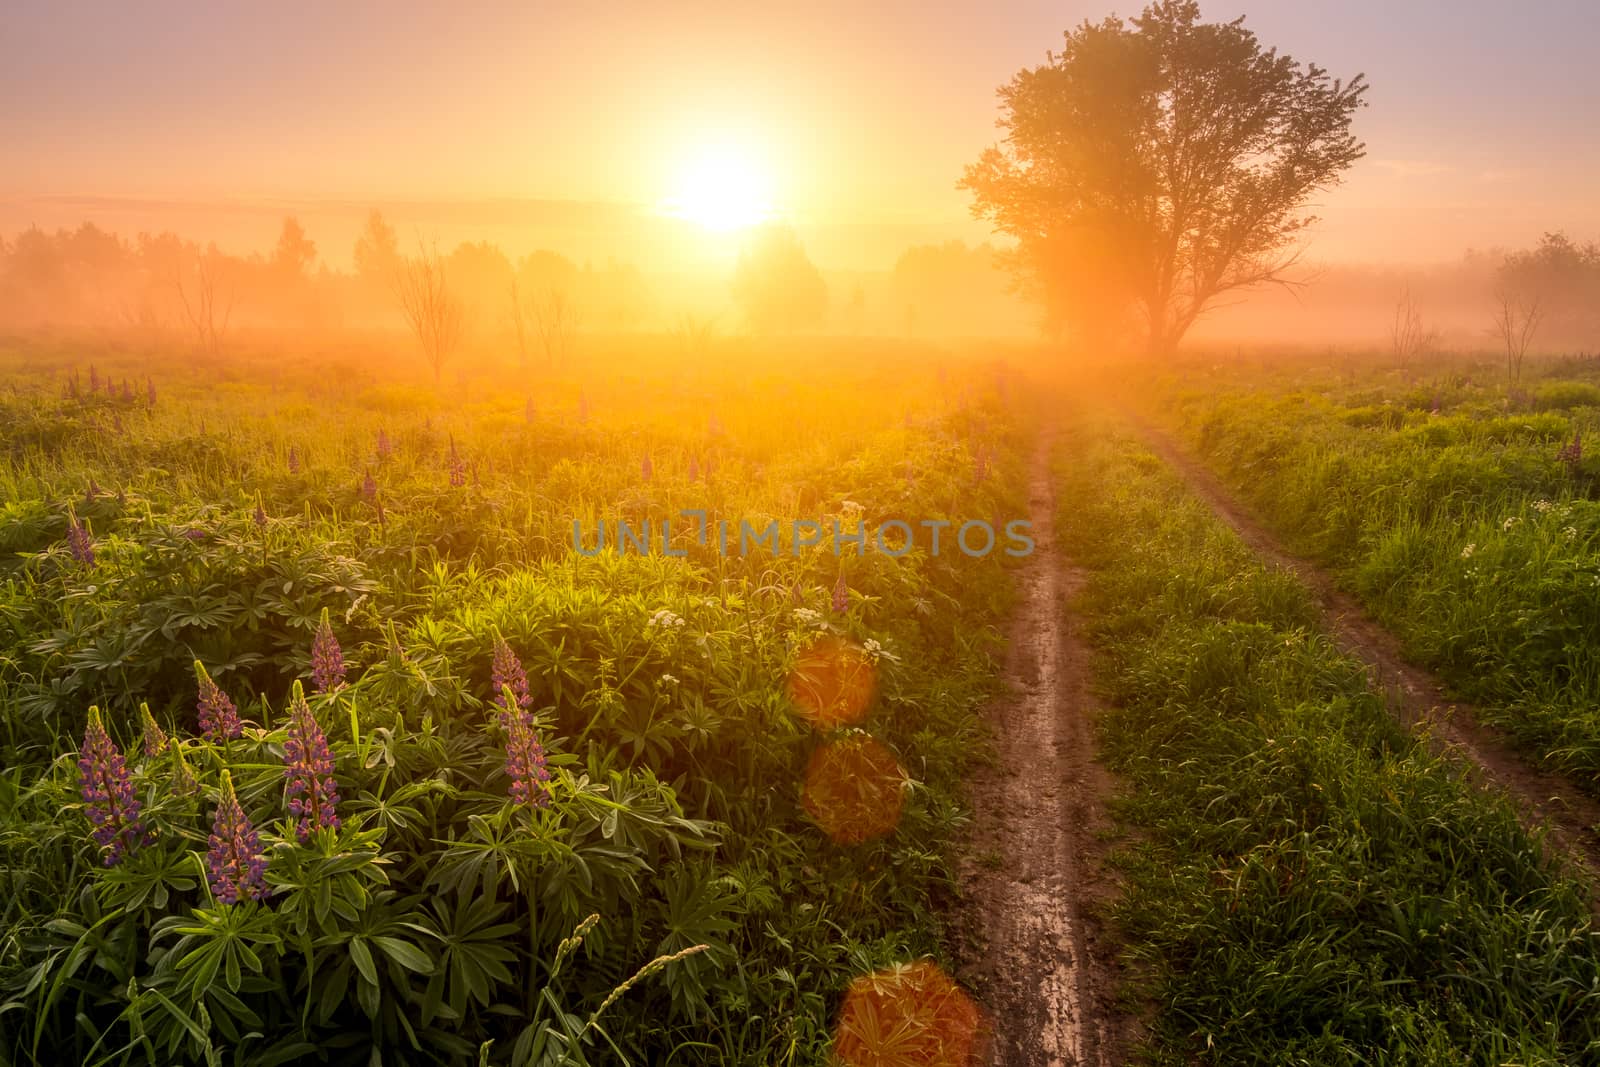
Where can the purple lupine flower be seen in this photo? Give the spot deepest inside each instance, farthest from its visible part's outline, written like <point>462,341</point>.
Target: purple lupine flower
<point>79,543</point>
<point>694,469</point>
<point>260,516</point>
<point>127,390</point>
<point>94,379</point>
<point>294,460</point>
<point>645,469</point>
<point>385,446</point>
<point>707,471</point>
<point>369,486</point>
<point>235,862</point>
<point>313,795</point>
<point>1572,454</point>
<point>92,493</point>
<point>155,738</point>
<point>841,595</point>
<point>194,533</point>
<point>327,659</point>
<point>219,718</point>
<point>150,391</point>
<point>108,792</point>
<point>508,674</point>
<point>116,423</point>
<point>525,759</point>
<point>458,466</point>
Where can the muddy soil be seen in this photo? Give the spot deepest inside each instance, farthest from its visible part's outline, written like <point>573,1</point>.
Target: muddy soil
<point>1035,942</point>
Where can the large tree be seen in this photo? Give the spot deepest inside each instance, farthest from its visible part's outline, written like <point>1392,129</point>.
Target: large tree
<point>1158,162</point>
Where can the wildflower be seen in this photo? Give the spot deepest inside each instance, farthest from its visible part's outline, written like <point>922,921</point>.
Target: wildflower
<point>369,486</point>
<point>294,460</point>
<point>219,718</point>
<point>706,473</point>
<point>261,514</point>
<point>1466,553</point>
<point>1511,520</point>
<point>94,379</point>
<point>645,469</point>
<point>872,648</point>
<point>1542,506</point>
<point>385,448</point>
<point>79,542</point>
<point>194,533</point>
<point>508,675</point>
<point>327,660</point>
<point>694,469</point>
<point>807,616</point>
<point>664,619</point>
<point>1571,532</point>
<point>850,507</point>
<point>108,792</point>
<point>525,759</point>
<point>127,390</point>
<point>313,796</point>
<point>980,465</point>
<point>155,738</point>
<point>669,679</point>
<point>235,862</point>
<point>183,779</point>
<point>92,493</point>
<point>841,595</point>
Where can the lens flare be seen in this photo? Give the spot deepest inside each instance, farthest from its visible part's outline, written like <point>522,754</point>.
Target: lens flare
<point>909,1015</point>
<point>832,682</point>
<point>854,789</point>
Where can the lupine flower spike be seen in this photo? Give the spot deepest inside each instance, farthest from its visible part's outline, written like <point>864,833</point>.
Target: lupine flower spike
<point>313,795</point>
<point>327,660</point>
<point>385,447</point>
<point>155,738</point>
<point>219,718</point>
<point>150,391</point>
<point>294,460</point>
<point>235,862</point>
<point>645,469</point>
<point>841,595</point>
<point>694,469</point>
<point>108,793</point>
<point>507,673</point>
<point>369,486</point>
<point>79,543</point>
<point>260,516</point>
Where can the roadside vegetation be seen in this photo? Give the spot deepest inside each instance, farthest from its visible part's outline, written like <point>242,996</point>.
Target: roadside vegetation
<point>1311,885</point>
<point>1465,515</point>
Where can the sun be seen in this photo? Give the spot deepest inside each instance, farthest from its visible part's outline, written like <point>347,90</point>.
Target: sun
<point>721,187</point>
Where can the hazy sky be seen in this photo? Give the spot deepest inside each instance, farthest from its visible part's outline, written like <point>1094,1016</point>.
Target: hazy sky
<point>1480,128</point>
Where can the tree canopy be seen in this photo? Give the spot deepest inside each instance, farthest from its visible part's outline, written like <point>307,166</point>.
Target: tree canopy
<point>1158,162</point>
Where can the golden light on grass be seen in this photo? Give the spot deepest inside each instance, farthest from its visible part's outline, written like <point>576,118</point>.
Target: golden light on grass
<point>832,682</point>
<point>909,1015</point>
<point>722,187</point>
<point>854,789</point>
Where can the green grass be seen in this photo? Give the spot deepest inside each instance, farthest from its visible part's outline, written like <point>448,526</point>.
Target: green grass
<point>435,927</point>
<point>1459,529</point>
<point>1311,886</point>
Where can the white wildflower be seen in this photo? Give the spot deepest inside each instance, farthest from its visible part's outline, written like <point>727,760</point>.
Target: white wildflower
<point>807,617</point>
<point>665,619</point>
<point>1466,553</point>
<point>1571,532</point>
<point>669,679</point>
<point>850,507</point>
<point>1511,520</point>
<point>1542,506</point>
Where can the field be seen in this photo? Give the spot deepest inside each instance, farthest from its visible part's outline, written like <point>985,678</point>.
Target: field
<point>751,760</point>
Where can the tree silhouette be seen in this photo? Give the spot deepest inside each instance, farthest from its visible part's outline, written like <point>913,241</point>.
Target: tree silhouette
<point>1164,159</point>
<point>776,285</point>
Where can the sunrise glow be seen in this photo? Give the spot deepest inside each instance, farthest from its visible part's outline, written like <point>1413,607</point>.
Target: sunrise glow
<point>721,187</point>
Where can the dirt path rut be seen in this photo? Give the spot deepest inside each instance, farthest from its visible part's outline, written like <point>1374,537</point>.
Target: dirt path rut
<point>1035,948</point>
<point>1417,696</point>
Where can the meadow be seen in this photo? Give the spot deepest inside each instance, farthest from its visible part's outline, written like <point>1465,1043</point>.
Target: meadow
<point>1458,506</point>
<point>321,740</point>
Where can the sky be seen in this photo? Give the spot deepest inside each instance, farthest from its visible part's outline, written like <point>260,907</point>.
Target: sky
<point>560,122</point>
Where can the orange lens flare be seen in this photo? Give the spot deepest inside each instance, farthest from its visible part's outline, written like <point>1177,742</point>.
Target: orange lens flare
<point>854,789</point>
<point>910,1015</point>
<point>832,682</point>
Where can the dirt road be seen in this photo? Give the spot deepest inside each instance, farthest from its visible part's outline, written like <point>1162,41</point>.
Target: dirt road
<point>1035,948</point>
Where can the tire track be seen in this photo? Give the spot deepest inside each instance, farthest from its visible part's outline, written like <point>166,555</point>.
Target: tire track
<point>1417,696</point>
<point>1037,951</point>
